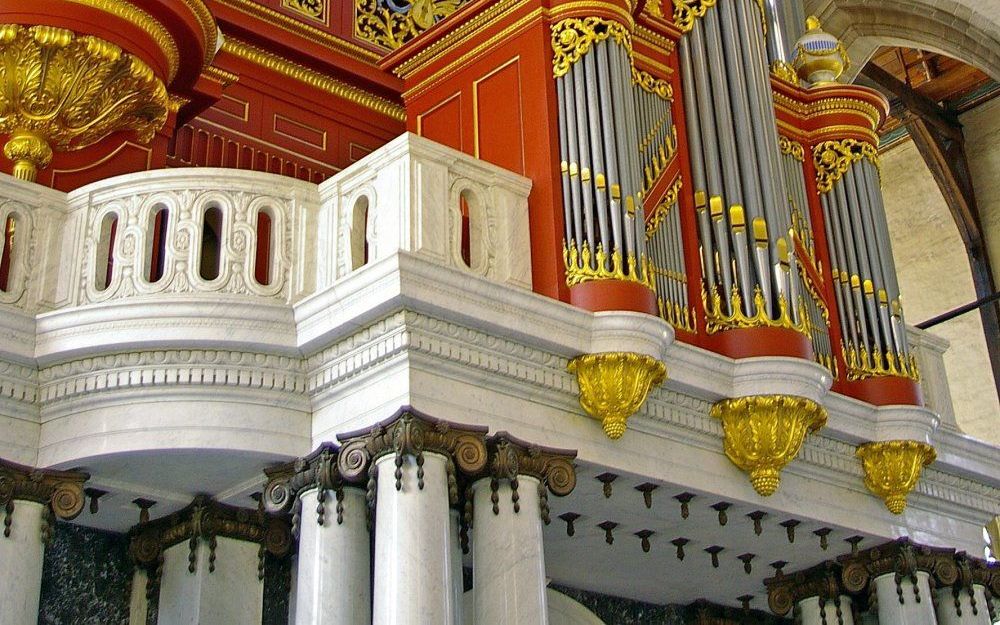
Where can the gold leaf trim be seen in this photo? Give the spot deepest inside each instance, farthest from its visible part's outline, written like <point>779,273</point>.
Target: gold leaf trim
<point>584,266</point>
<point>313,78</point>
<point>716,319</point>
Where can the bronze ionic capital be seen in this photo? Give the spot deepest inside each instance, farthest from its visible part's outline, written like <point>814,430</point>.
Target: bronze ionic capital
<point>61,492</point>
<point>510,457</point>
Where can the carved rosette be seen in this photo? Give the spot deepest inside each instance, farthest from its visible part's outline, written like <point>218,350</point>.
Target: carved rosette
<point>785,591</point>
<point>892,469</point>
<point>902,558</point>
<point>206,520</point>
<point>62,91</point>
<point>614,385</point>
<point>414,434</point>
<point>61,492</point>
<point>509,458</point>
<point>763,433</point>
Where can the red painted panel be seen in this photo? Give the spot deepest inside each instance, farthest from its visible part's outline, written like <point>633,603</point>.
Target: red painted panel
<point>443,123</point>
<point>499,123</point>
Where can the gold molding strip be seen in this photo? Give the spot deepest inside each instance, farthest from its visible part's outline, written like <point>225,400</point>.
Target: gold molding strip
<point>313,78</point>
<point>307,31</point>
<point>144,21</point>
<point>209,29</point>
<point>828,106</point>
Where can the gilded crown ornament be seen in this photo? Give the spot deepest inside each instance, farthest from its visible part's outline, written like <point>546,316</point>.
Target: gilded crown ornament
<point>614,385</point>
<point>763,433</point>
<point>819,57</point>
<point>62,91</point>
<point>892,469</point>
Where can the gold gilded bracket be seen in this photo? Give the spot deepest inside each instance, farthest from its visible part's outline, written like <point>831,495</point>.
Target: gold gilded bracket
<point>614,385</point>
<point>892,469</point>
<point>763,433</point>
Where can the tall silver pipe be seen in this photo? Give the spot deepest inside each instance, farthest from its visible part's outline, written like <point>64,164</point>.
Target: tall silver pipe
<point>721,107</point>
<point>576,191</point>
<point>583,141</point>
<point>831,209</point>
<point>564,165</point>
<point>709,139</point>
<point>610,149</point>
<point>597,141</point>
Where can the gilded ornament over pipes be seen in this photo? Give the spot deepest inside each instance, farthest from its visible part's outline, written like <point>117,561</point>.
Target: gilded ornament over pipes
<point>614,385</point>
<point>572,39</point>
<point>832,158</point>
<point>64,92</point>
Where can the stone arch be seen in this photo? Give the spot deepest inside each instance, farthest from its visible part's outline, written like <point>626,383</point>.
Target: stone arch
<point>951,27</point>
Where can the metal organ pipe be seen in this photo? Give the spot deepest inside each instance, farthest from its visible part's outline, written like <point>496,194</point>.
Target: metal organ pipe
<point>610,149</point>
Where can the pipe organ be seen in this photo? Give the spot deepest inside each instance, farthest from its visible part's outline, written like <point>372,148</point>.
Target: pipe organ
<point>716,168</point>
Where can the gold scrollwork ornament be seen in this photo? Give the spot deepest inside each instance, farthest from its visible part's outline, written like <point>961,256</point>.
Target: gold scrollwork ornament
<point>384,25</point>
<point>892,469</point>
<point>763,433</point>
<point>60,91</point>
<point>614,385</point>
<point>832,159</point>
<point>572,38</point>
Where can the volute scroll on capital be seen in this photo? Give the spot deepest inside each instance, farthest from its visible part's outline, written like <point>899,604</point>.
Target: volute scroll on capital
<point>510,457</point>
<point>61,492</point>
<point>785,591</point>
<point>412,433</point>
<point>904,559</point>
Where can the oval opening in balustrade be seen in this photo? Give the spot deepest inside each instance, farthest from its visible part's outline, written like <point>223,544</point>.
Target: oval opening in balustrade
<point>470,235</point>
<point>262,259</point>
<point>105,261</point>
<point>156,253</point>
<point>7,251</point>
<point>359,233</point>
<point>211,243</point>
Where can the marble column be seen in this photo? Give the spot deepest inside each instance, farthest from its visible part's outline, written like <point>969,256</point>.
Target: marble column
<point>30,501</point>
<point>414,570</point>
<point>817,611</point>
<point>960,607</point>
<point>211,586</point>
<point>458,579</point>
<point>21,552</point>
<point>508,561</point>
<point>904,602</point>
<point>333,580</point>
<point>138,607</point>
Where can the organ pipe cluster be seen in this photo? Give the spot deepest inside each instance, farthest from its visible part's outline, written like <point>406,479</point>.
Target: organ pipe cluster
<point>744,213</point>
<point>602,168</point>
<point>666,252</point>
<point>865,284</point>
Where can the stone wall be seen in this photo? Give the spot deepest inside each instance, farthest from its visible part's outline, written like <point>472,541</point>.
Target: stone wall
<point>934,269</point>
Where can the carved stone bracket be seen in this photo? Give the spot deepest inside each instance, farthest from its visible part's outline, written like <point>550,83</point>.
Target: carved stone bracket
<point>412,433</point>
<point>206,520</point>
<point>510,458</point>
<point>614,385</point>
<point>60,491</point>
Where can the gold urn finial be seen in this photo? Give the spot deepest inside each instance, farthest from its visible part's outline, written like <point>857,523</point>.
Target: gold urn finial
<point>614,385</point>
<point>62,91</point>
<point>819,57</point>
<point>892,469</point>
<point>763,433</point>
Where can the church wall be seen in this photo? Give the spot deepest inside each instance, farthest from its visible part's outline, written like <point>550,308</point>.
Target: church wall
<point>933,268</point>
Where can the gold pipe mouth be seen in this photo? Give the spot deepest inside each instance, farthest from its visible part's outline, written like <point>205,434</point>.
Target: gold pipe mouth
<point>29,151</point>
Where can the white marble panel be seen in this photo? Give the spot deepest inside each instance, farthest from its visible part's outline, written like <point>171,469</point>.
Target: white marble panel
<point>21,554</point>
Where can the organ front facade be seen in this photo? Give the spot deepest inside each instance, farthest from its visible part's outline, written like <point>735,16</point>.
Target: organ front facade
<point>468,311</point>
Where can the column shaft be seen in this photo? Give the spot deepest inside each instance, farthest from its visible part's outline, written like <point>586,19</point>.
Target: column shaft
<point>333,585</point>
<point>232,593</point>
<point>966,612</point>
<point>22,553</point>
<point>413,561</point>
<point>904,603</point>
<point>826,613</point>
<point>458,579</point>
<point>508,561</point>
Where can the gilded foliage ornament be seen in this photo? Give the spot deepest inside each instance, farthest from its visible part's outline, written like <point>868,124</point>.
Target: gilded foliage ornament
<point>572,38</point>
<point>687,12</point>
<point>763,433</point>
<point>832,158</point>
<point>583,266</point>
<point>391,23</point>
<point>614,385</point>
<point>651,84</point>
<point>63,92</point>
<point>892,469</point>
<point>718,320</point>
<point>792,147</point>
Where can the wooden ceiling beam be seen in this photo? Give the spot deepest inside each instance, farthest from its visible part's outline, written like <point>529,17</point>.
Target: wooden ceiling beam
<point>938,137</point>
